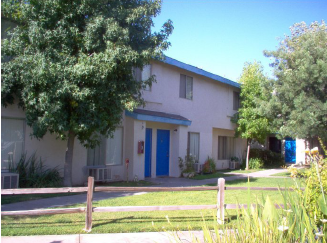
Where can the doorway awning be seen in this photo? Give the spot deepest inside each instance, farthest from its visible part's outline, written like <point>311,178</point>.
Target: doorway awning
<point>156,116</point>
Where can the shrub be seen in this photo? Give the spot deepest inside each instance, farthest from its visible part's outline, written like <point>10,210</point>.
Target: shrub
<point>316,185</point>
<point>209,166</point>
<point>187,165</point>
<point>269,158</point>
<point>34,174</point>
<point>255,163</point>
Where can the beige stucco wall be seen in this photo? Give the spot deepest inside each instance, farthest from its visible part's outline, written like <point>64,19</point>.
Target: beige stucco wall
<point>211,106</point>
<point>210,112</point>
<point>52,150</point>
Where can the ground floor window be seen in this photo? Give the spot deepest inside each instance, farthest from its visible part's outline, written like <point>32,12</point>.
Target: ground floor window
<point>225,147</point>
<point>193,146</point>
<point>109,152</point>
<point>12,141</point>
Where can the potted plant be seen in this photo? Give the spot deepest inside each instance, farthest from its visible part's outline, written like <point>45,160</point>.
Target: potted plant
<point>187,166</point>
<point>209,166</point>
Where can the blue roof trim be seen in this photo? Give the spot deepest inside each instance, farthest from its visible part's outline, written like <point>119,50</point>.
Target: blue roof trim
<point>199,71</point>
<point>152,118</point>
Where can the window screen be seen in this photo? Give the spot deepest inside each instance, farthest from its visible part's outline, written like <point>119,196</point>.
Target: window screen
<point>236,100</point>
<point>225,147</point>
<point>109,152</point>
<point>194,145</point>
<point>186,87</point>
<point>12,141</point>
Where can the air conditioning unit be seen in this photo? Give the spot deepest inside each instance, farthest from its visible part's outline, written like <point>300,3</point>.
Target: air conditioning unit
<point>234,165</point>
<point>198,167</point>
<point>9,180</point>
<point>100,173</point>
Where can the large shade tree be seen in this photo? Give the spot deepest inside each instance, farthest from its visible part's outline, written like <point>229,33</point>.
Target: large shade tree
<point>251,124</point>
<point>71,64</point>
<point>298,95</point>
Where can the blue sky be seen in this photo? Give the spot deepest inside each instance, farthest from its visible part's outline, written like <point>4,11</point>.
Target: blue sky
<point>219,36</point>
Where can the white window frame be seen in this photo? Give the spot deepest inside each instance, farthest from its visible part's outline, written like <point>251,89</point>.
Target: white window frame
<point>227,149</point>
<point>144,74</point>
<point>99,157</point>
<point>186,87</point>
<point>236,100</point>
<point>191,151</point>
<point>15,157</point>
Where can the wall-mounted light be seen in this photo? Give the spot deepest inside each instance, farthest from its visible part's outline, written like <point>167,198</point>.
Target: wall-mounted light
<point>175,130</point>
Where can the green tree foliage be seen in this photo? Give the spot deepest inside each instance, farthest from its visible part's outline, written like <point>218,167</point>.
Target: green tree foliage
<point>251,125</point>
<point>72,61</point>
<point>297,102</point>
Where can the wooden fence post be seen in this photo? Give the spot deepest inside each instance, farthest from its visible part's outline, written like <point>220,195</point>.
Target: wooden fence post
<point>89,206</point>
<point>221,201</point>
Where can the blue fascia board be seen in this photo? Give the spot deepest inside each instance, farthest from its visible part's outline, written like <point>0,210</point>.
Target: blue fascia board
<point>143,117</point>
<point>200,71</point>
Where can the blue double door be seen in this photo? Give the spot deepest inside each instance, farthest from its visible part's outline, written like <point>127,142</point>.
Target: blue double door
<point>162,158</point>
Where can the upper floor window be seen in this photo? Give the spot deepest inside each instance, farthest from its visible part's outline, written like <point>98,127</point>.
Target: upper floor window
<point>109,152</point>
<point>12,142</point>
<point>193,145</point>
<point>236,100</point>
<point>141,75</point>
<point>186,87</point>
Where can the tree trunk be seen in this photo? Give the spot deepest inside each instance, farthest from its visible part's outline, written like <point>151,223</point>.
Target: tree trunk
<point>247,156</point>
<point>69,160</point>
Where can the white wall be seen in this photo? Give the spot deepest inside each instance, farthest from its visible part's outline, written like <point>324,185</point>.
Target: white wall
<point>210,112</point>
<point>300,154</point>
<point>50,149</point>
<point>211,107</point>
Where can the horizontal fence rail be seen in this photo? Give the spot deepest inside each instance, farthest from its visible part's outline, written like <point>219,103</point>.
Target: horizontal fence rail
<point>43,211</point>
<point>89,209</point>
<point>131,189</point>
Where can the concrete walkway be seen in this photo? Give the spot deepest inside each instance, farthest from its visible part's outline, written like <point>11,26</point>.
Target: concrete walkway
<point>147,237</point>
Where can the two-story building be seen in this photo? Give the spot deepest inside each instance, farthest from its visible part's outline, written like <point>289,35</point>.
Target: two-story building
<point>187,110</point>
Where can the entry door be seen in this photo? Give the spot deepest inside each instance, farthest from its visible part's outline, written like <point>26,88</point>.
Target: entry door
<point>162,152</point>
<point>148,154</point>
<point>290,150</point>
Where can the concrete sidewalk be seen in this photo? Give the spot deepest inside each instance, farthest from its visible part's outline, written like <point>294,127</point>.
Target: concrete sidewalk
<point>147,237</point>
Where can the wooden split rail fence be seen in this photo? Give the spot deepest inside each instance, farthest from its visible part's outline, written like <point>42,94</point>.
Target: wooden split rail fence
<point>220,206</point>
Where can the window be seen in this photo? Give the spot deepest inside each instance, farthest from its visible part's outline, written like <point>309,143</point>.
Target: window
<point>236,101</point>
<point>109,152</point>
<point>142,75</point>
<point>186,87</point>
<point>12,141</point>
<point>225,147</point>
<point>193,145</point>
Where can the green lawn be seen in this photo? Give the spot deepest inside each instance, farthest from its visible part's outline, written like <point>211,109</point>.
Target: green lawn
<point>223,173</point>
<point>246,171</point>
<point>143,221</point>
<point>287,174</point>
<point>217,174</point>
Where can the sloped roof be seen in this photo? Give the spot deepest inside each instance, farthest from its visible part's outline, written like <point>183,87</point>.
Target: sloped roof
<point>199,71</point>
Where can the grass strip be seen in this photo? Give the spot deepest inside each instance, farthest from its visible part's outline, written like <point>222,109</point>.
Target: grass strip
<point>120,222</point>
